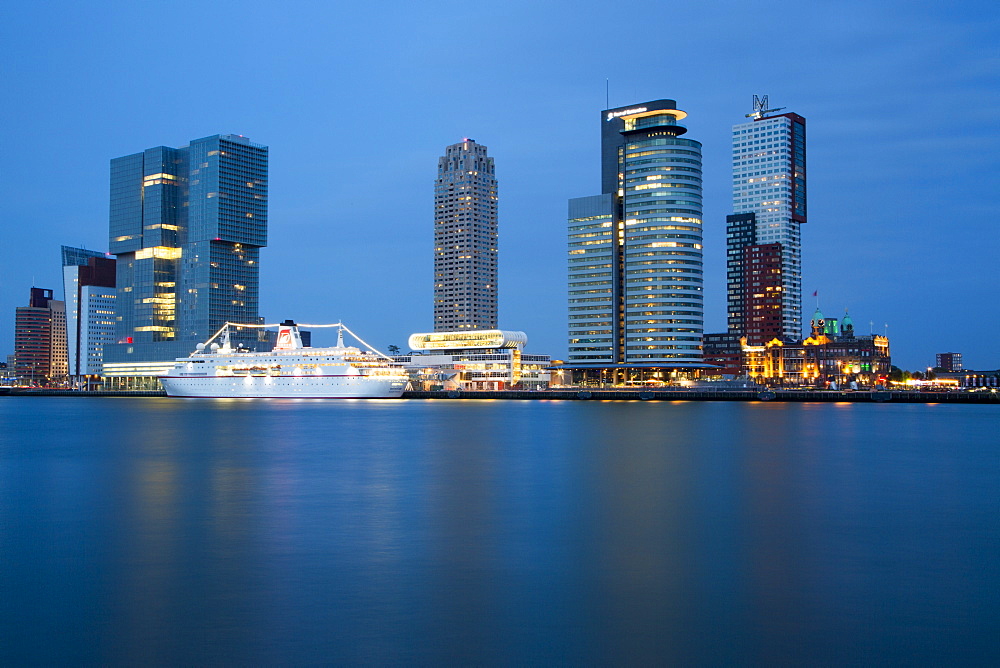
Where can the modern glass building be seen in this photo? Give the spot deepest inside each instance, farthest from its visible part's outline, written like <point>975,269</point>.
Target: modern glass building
<point>465,239</point>
<point>635,251</point>
<point>186,225</point>
<point>769,205</point>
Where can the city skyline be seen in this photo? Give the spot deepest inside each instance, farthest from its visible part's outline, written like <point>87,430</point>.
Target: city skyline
<point>883,181</point>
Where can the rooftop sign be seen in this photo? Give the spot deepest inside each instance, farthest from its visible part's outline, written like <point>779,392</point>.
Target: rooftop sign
<point>625,112</point>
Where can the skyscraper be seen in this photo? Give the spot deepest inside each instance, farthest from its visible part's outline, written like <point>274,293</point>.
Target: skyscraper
<point>40,339</point>
<point>89,293</point>
<point>465,239</point>
<point>764,248</point>
<point>635,251</point>
<point>186,225</point>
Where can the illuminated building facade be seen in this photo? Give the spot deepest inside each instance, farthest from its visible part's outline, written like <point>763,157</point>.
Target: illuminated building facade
<point>40,340</point>
<point>465,239</point>
<point>186,226</point>
<point>769,205</point>
<point>474,360</point>
<point>832,356</point>
<point>635,251</point>
<point>89,293</point>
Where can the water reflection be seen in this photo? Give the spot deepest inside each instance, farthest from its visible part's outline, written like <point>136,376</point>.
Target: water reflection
<point>192,532</point>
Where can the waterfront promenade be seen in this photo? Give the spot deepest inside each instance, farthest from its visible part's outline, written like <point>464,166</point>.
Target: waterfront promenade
<point>610,394</point>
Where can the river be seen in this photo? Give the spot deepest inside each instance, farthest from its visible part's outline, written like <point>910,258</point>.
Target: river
<point>301,532</point>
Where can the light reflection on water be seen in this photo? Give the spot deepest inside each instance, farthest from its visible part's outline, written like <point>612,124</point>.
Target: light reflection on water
<point>296,531</point>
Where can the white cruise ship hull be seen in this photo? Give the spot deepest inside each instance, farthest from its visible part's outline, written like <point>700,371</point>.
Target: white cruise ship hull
<point>299,387</point>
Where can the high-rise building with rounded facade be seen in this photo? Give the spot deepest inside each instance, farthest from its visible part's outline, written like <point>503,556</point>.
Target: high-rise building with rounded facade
<point>635,251</point>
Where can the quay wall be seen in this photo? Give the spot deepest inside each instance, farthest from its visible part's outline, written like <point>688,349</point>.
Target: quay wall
<point>582,394</point>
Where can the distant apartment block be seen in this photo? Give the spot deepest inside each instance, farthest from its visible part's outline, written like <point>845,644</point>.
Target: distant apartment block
<point>949,361</point>
<point>40,340</point>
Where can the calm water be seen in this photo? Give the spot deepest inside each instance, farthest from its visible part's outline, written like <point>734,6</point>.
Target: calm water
<point>160,531</point>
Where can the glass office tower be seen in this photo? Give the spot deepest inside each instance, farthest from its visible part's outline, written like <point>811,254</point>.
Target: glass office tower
<point>186,225</point>
<point>635,252</point>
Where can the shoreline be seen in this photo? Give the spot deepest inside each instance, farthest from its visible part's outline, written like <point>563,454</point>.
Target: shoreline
<point>585,394</point>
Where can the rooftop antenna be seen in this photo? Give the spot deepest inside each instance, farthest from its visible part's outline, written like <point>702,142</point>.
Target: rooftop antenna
<point>760,108</point>
<point>607,94</point>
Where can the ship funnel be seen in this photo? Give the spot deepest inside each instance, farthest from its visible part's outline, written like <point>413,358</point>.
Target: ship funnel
<point>340,337</point>
<point>288,336</point>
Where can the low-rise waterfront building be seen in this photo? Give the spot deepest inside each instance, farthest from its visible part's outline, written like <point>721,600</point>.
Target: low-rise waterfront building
<point>833,356</point>
<point>489,359</point>
<point>971,380</point>
<point>723,350</point>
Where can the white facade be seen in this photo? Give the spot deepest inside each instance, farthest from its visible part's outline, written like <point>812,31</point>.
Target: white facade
<point>476,360</point>
<point>769,182</point>
<point>90,315</point>
<point>97,326</point>
<point>465,239</point>
<point>71,292</point>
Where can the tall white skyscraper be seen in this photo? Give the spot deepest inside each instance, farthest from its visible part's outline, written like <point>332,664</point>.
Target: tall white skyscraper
<point>465,239</point>
<point>764,261</point>
<point>635,251</point>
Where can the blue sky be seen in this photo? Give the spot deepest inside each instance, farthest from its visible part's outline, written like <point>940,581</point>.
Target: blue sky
<point>357,100</point>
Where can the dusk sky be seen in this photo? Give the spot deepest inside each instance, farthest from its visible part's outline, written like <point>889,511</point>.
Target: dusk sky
<point>357,101</point>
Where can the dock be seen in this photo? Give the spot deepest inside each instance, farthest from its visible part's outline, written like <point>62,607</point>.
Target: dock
<point>608,394</point>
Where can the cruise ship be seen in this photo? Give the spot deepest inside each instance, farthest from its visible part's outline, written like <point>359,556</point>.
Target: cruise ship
<point>290,370</point>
